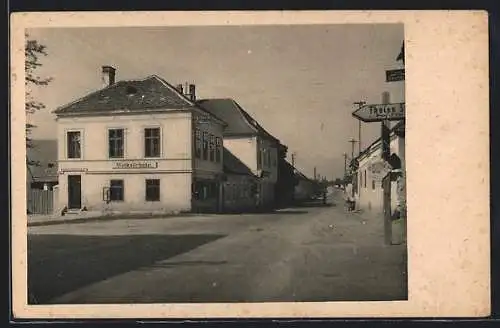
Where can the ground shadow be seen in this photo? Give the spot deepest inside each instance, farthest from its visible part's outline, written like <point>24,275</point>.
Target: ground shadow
<point>58,264</point>
<point>265,212</point>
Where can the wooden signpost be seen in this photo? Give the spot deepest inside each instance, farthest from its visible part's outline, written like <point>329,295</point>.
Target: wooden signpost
<point>384,113</point>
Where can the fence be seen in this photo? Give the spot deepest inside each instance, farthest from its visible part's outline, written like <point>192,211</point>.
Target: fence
<point>40,201</point>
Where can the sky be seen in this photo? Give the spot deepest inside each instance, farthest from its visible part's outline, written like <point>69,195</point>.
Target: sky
<point>298,81</point>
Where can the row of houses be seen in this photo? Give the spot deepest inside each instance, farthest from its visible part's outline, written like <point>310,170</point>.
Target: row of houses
<point>146,145</point>
<point>368,191</point>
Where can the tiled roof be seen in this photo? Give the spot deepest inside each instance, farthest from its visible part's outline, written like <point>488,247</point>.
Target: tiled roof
<point>44,152</point>
<point>233,165</point>
<point>238,120</point>
<point>149,93</point>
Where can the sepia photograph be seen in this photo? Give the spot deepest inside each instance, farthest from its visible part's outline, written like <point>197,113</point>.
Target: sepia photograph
<point>218,163</point>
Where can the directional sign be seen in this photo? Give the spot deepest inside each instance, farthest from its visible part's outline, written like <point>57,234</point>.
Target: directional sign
<point>395,75</point>
<point>380,112</point>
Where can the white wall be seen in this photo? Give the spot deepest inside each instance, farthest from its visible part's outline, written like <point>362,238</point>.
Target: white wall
<point>173,167</point>
<point>372,199</point>
<point>245,149</point>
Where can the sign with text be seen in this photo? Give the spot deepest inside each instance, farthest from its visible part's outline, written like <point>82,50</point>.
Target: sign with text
<point>380,112</point>
<point>135,165</point>
<point>395,75</point>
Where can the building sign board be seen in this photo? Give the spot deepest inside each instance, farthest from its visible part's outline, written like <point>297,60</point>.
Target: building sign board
<point>62,171</point>
<point>380,112</point>
<point>395,75</point>
<point>135,165</point>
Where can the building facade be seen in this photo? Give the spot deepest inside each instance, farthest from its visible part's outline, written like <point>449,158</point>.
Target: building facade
<point>139,145</point>
<point>368,191</point>
<point>251,144</point>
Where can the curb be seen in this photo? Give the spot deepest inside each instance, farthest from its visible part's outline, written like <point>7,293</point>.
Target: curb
<point>108,217</point>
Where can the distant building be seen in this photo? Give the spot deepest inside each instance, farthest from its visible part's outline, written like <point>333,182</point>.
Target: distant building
<point>368,192</point>
<point>250,143</point>
<point>139,145</point>
<point>42,172</point>
<point>305,188</point>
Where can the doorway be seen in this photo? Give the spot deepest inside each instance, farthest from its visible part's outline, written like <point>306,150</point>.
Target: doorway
<point>74,191</point>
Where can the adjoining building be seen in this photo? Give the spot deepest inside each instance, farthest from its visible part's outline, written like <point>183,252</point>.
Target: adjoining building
<point>139,145</point>
<point>42,177</point>
<point>42,166</point>
<point>240,185</point>
<point>368,191</point>
<point>305,187</point>
<point>250,143</point>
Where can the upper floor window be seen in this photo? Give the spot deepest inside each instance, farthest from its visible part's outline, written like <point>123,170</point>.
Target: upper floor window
<point>268,153</point>
<point>74,144</point>
<point>116,141</point>
<point>265,157</point>
<point>198,143</point>
<point>365,180</point>
<point>218,149</point>
<point>212,148</point>
<point>152,142</point>
<point>205,145</point>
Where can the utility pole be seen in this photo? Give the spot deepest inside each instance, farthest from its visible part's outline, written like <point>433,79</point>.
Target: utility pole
<point>293,160</point>
<point>352,141</point>
<point>360,104</point>
<point>315,176</point>
<point>345,165</point>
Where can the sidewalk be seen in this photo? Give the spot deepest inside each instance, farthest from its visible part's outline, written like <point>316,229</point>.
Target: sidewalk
<point>92,216</point>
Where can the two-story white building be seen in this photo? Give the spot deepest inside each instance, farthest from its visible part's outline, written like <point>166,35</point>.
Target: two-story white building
<point>139,145</point>
<point>368,191</point>
<point>250,143</point>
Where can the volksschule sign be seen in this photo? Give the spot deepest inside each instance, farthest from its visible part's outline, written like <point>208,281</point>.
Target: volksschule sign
<point>135,165</point>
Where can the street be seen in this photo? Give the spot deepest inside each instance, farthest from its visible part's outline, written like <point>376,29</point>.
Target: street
<point>308,253</point>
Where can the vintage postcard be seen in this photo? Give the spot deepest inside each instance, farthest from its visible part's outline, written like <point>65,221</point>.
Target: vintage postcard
<point>250,164</point>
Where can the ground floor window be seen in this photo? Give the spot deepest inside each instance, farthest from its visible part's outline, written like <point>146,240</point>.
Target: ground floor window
<point>205,190</point>
<point>116,190</point>
<point>152,190</point>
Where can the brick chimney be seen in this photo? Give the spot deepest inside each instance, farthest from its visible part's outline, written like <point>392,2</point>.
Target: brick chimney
<point>108,76</point>
<point>192,92</point>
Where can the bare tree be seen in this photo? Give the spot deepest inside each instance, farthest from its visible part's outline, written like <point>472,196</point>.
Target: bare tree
<point>32,51</point>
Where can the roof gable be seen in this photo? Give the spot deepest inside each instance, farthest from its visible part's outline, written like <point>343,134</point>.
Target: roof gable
<point>238,120</point>
<point>132,95</point>
<point>232,164</point>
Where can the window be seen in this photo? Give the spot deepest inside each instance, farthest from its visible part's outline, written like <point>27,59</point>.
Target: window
<point>218,149</point>
<point>365,179</point>
<point>74,144</point>
<point>274,159</point>
<point>115,138</point>
<point>212,148</point>
<point>152,142</point>
<point>152,190</point>
<point>259,158</point>
<point>268,153</point>
<point>116,190</point>
<point>198,143</point>
<point>373,184</point>
<point>205,145</point>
